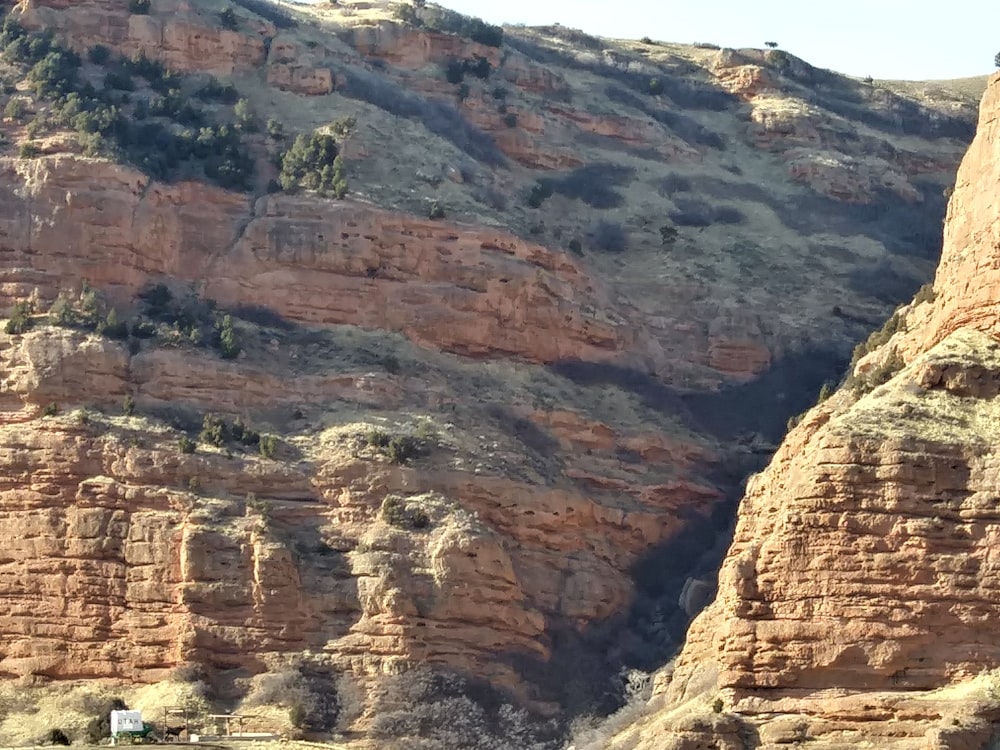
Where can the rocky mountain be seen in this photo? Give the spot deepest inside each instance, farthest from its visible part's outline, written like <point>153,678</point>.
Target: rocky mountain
<point>456,419</point>
<point>856,602</point>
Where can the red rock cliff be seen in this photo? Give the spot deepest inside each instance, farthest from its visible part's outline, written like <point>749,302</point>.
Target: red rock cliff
<point>862,581</point>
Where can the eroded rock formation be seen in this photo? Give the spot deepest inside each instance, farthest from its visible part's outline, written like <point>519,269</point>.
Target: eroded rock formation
<point>857,598</point>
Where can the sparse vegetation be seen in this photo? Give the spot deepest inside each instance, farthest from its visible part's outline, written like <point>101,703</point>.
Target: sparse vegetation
<point>20,320</point>
<point>593,184</point>
<point>268,446</point>
<point>435,211</point>
<point>694,212</point>
<point>668,235</point>
<point>825,391</point>
<point>441,711</point>
<point>437,18</point>
<point>275,130</point>
<point>882,373</point>
<point>609,236</point>
<point>925,293</point>
<point>57,737</point>
<point>229,346</point>
<point>139,7</point>
<point>539,193</point>
<point>398,512</point>
<point>168,137</point>
<point>228,19</point>
<point>99,54</point>
<point>270,11</point>
<point>308,691</point>
<point>246,119</point>
<point>219,432</point>
<point>779,59</point>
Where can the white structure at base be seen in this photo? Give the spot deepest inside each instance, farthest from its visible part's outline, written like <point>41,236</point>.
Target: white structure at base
<point>126,721</point>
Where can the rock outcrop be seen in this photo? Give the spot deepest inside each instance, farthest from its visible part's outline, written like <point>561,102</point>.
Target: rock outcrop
<point>857,597</point>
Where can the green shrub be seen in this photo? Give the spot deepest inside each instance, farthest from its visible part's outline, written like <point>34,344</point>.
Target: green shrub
<point>51,409</point>
<point>215,91</point>
<point>57,737</point>
<point>16,108</point>
<point>186,444</point>
<point>407,15</point>
<point>436,211</point>
<point>313,162</point>
<point>20,319</point>
<point>268,446</point>
<point>111,327</point>
<point>609,236</point>
<point>655,86</point>
<point>139,7</point>
<point>454,71</point>
<point>825,391</point>
<point>510,120</point>
<point>343,126</point>
<point>539,193</point>
<point>98,54</point>
<point>925,293</point>
<point>157,299</point>
<point>118,79</point>
<point>246,119</point>
<point>668,234</point>
<point>228,19</point>
<point>214,430</point>
<point>161,150</point>
<point>377,438</point>
<point>275,130</point>
<point>397,512</point>
<point>128,406</point>
<point>575,246</point>
<point>229,346</point>
<point>402,448</point>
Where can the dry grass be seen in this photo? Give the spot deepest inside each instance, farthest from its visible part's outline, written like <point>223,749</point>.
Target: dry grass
<point>902,409</point>
<point>30,709</point>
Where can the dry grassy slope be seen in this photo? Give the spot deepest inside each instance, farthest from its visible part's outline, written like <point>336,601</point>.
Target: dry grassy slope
<point>836,184</point>
<point>542,486</point>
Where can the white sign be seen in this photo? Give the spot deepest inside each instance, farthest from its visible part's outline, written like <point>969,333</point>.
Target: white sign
<point>126,721</point>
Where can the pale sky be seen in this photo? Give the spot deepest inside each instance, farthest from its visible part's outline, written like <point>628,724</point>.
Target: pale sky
<point>914,40</point>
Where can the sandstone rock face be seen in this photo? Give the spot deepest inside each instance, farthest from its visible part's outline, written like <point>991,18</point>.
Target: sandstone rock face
<point>861,583</point>
<point>454,288</point>
<point>153,558</point>
<point>177,35</point>
<point>536,356</point>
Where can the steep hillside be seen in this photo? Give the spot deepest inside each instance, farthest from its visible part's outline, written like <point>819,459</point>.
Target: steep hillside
<point>487,413</point>
<point>856,604</point>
